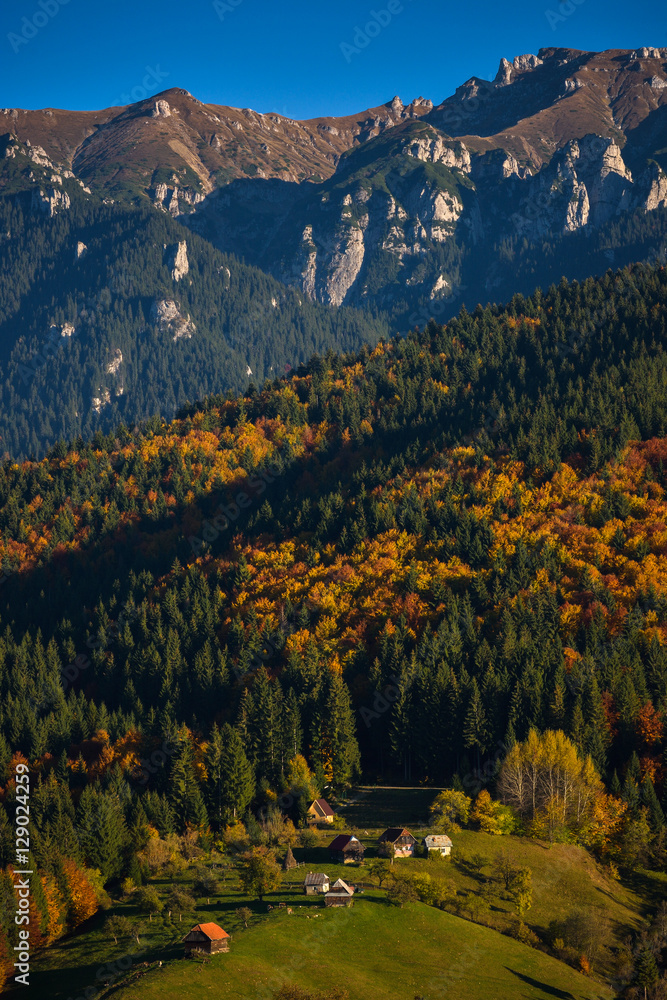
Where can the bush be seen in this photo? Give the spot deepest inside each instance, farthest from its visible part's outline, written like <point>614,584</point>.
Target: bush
<point>524,934</point>
<point>128,886</point>
<point>308,838</point>
<point>402,890</point>
<point>148,899</point>
<point>205,884</point>
<point>180,900</point>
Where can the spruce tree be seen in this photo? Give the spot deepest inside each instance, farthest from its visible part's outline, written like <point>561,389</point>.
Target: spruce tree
<point>650,800</point>
<point>102,831</point>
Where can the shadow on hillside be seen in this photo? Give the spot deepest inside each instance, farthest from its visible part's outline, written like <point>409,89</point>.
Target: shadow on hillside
<point>550,991</point>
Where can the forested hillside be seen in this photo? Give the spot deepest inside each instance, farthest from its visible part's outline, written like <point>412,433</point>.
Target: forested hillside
<point>393,563</point>
<point>84,344</point>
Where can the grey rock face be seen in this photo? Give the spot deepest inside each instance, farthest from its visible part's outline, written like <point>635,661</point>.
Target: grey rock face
<point>178,260</point>
<point>168,318</point>
<point>50,201</point>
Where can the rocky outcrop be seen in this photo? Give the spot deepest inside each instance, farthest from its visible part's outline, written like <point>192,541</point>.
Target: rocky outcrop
<point>50,201</point>
<point>586,183</point>
<point>168,318</point>
<point>503,77</point>
<point>99,402</point>
<point>172,199</point>
<point>177,260</point>
<point>345,264</point>
<point>520,64</point>
<point>649,53</point>
<point>161,110</point>
<point>523,63</point>
<point>436,149</point>
<point>441,287</point>
<point>66,330</point>
<point>115,363</point>
<point>38,155</point>
<point>653,189</point>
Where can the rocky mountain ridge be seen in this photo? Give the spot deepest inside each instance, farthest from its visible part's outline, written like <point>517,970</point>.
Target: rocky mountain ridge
<point>396,207</point>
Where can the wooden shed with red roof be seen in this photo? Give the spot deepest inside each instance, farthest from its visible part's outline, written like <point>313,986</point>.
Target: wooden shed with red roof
<point>206,938</point>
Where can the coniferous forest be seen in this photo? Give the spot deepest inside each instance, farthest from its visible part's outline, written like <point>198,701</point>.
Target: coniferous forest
<point>395,564</point>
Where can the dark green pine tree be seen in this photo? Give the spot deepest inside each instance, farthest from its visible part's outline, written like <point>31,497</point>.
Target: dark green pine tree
<point>476,734</point>
<point>291,735</point>
<point>264,727</point>
<point>650,800</point>
<point>596,732</point>
<point>231,781</point>
<point>646,969</point>
<point>185,792</point>
<point>334,738</point>
<point>632,784</point>
<point>102,831</point>
<point>615,784</point>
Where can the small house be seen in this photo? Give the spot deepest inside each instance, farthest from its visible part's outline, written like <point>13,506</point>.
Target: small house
<point>340,894</point>
<point>209,939</point>
<point>438,842</point>
<point>346,849</point>
<point>320,812</point>
<point>402,840</point>
<point>315,882</point>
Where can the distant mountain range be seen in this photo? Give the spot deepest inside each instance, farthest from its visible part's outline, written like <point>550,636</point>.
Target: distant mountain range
<point>556,167</point>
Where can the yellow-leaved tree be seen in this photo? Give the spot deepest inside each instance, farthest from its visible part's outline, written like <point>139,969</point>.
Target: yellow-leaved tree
<point>549,784</point>
<point>450,810</point>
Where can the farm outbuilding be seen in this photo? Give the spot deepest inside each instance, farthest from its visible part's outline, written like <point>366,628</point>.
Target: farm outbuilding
<point>209,939</point>
<point>320,812</point>
<point>346,849</point>
<point>340,895</point>
<point>315,882</point>
<point>403,842</point>
<point>438,842</point>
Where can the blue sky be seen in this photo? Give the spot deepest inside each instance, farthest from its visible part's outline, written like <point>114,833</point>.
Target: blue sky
<point>296,58</point>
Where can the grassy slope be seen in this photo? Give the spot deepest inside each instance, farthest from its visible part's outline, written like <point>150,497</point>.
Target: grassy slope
<point>565,877</point>
<point>375,951</point>
<point>416,942</point>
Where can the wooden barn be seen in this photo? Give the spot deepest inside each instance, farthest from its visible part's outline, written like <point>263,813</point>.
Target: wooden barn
<point>438,842</point>
<point>346,849</point>
<point>340,894</point>
<point>209,939</point>
<point>315,882</point>
<point>403,842</point>
<point>320,812</point>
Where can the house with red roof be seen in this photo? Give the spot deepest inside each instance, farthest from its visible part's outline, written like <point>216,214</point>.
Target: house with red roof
<point>320,812</point>
<point>346,849</point>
